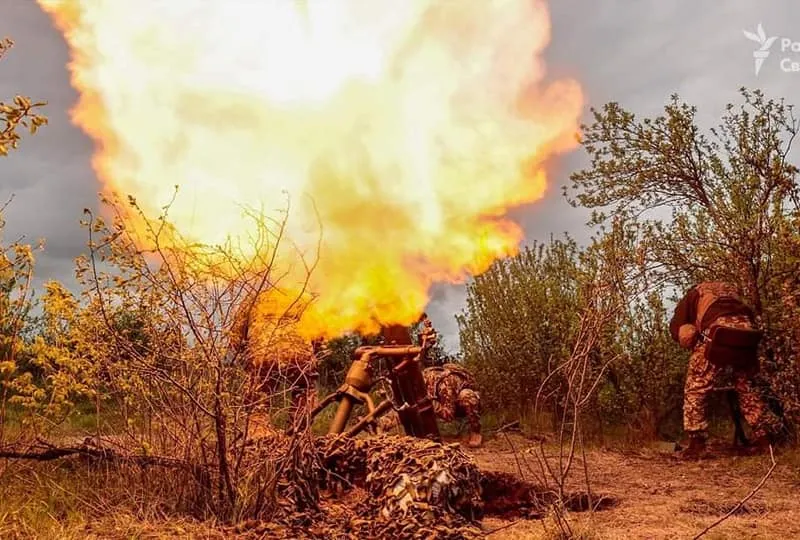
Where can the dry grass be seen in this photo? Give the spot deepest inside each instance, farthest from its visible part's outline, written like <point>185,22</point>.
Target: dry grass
<point>662,497</point>
<point>659,497</point>
<point>74,499</point>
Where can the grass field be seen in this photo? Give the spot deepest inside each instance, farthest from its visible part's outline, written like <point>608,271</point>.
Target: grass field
<point>658,496</point>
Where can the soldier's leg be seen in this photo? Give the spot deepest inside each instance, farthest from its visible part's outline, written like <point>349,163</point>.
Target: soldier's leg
<point>469,404</point>
<point>763,421</point>
<point>700,378</point>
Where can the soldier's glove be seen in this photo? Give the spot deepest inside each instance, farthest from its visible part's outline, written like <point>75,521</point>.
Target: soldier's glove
<point>687,336</point>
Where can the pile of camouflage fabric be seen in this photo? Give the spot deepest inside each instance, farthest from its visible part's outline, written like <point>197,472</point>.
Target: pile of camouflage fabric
<point>382,487</point>
<point>414,486</point>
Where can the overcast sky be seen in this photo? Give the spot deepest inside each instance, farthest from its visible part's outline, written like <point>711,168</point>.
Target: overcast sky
<point>634,52</point>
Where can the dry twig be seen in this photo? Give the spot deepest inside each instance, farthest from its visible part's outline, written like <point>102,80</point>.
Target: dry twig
<point>749,496</point>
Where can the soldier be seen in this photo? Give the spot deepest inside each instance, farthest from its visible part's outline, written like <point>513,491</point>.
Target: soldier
<point>451,388</point>
<point>454,394</point>
<point>274,353</point>
<point>705,306</point>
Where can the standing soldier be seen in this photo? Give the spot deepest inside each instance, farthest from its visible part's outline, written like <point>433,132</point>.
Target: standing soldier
<point>274,353</point>
<point>704,307</point>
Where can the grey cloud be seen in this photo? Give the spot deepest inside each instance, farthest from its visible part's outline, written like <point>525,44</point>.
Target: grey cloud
<point>637,53</point>
<point>50,175</point>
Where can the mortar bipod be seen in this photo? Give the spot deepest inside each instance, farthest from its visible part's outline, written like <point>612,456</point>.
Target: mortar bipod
<point>359,382</point>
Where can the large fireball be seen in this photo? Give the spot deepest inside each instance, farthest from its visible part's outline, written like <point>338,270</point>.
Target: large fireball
<point>402,131</point>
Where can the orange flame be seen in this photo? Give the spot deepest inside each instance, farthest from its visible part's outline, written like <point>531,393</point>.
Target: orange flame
<point>413,126</point>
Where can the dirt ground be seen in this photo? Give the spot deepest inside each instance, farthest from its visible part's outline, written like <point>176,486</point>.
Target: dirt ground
<point>658,495</point>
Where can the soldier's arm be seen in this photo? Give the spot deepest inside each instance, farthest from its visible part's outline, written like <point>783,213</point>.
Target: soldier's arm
<point>685,312</point>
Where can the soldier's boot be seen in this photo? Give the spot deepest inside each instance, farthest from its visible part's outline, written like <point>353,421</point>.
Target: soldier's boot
<point>696,447</point>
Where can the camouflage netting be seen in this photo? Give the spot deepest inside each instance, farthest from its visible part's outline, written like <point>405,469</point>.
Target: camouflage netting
<point>376,487</point>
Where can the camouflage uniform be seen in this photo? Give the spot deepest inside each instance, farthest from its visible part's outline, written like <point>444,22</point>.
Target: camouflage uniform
<point>705,306</point>
<point>452,390</point>
<point>275,354</point>
<point>700,383</point>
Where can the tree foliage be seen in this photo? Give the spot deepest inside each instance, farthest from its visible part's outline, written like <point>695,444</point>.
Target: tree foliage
<point>731,194</point>
<point>16,264</point>
<point>519,319</point>
<point>149,341</point>
<point>529,316</point>
<point>673,204</point>
<point>16,304</point>
<point>166,317</point>
<point>643,389</point>
<point>22,111</point>
<point>61,367</point>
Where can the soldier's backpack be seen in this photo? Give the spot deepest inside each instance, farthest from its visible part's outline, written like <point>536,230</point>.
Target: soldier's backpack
<point>726,346</point>
<point>736,347</point>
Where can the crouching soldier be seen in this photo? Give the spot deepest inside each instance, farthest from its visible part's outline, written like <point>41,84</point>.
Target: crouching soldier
<point>454,394</point>
<point>450,387</point>
<point>704,307</point>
